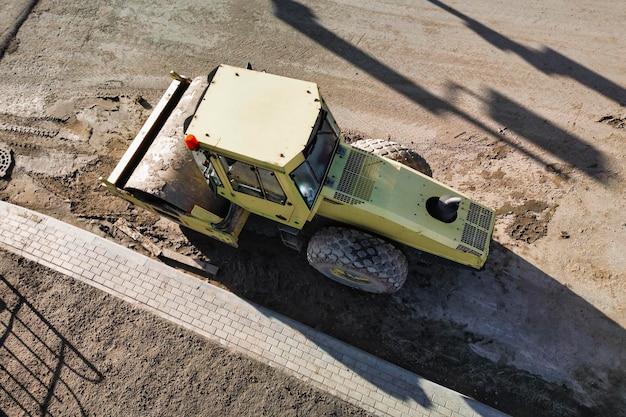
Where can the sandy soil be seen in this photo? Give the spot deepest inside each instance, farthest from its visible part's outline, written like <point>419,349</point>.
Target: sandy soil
<point>520,106</point>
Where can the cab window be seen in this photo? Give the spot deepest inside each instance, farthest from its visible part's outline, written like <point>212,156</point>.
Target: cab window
<point>309,176</point>
<point>203,159</point>
<point>249,179</point>
<point>322,151</point>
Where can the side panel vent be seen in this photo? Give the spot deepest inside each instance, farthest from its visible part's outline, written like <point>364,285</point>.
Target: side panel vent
<point>464,248</point>
<point>476,231</point>
<point>474,237</point>
<point>479,216</point>
<point>358,179</point>
<point>347,199</point>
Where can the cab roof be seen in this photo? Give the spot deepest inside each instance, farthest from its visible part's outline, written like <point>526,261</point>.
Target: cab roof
<point>256,115</point>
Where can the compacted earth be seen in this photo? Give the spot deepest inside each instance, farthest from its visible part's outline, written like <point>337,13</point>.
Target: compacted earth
<point>520,106</point>
<point>71,350</point>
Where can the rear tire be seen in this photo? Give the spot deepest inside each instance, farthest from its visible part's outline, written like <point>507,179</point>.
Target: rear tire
<point>358,260</point>
<point>395,152</point>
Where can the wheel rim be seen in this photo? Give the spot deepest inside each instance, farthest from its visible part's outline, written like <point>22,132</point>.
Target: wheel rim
<point>349,276</point>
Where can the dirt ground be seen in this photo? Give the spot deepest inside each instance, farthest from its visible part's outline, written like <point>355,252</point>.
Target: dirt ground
<point>71,350</point>
<point>521,106</point>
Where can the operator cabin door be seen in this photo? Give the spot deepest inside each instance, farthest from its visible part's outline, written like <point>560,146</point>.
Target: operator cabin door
<point>258,190</point>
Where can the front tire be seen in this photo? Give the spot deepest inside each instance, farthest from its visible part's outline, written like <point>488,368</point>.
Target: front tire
<point>358,260</point>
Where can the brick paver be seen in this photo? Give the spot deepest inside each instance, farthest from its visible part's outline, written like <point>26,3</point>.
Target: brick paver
<point>316,358</point>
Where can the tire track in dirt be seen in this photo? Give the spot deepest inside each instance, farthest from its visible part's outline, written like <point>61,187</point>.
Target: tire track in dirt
<point>14,14</point>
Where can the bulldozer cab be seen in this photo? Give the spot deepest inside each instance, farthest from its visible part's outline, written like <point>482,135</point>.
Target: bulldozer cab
<point>263,144</point>
<point>268,153</point>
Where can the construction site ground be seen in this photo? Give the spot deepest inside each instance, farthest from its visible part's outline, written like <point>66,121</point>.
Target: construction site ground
<point>521,106</point>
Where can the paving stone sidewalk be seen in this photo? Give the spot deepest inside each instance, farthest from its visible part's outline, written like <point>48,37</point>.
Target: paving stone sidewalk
<point>316,358</point>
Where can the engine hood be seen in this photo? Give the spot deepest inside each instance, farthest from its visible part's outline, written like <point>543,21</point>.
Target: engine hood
<point>392,200</point>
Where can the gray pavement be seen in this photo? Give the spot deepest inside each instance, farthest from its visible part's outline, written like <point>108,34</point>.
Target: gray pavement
<point>222,317</point>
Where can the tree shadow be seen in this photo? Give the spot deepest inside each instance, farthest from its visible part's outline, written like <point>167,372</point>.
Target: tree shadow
<point>518,317</point>
<point>551,138</point>
<point>35,358</point>
<point>546,60</point>
<point>304,20</point>
<point>518,121</point>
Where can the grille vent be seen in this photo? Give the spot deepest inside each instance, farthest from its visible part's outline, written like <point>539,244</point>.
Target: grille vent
<point>479,216</point>
<point>474,237</point>
<point>464,248</point>
<point>358,179</point>
<point>347,199</point>
<point>476,231</point>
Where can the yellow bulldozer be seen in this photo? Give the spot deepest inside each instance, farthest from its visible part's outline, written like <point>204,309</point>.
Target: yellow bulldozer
<point>216,149</point>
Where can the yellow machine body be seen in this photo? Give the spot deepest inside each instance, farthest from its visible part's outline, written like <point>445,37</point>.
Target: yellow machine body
<point>268,145</point>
